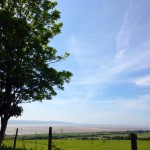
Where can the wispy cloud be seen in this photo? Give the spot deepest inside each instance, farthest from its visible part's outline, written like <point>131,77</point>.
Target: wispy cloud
<point>143,81</point>
<point>139,103</point>
<point>121,110</point>
<point>83,51</point>
<point>135,60</point>
<point>129,57</point>
<point>126,30</point>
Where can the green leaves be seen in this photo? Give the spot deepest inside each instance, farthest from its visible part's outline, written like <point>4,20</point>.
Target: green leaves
<point>26,28</point>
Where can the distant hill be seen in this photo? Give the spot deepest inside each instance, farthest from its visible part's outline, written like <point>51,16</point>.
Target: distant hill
<point>71,124</point>
<point>37,122</point>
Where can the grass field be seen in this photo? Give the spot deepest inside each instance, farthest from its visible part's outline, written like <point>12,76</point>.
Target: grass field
<point>81,141</point>
<point>74,144</point>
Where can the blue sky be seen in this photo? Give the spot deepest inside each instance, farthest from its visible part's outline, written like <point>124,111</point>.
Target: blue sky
<point>109,43</point>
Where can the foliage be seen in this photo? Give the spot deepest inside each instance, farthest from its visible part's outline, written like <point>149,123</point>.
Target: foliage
<point>26,27</point>
<point>26,72</point>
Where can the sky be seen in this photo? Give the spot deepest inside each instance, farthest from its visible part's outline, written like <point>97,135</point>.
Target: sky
<point>109,46</point>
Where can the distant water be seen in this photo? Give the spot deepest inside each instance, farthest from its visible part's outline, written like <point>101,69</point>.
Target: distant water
<point>66,128</point>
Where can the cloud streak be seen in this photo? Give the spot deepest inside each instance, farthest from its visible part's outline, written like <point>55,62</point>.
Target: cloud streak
<point>126,30</point>
<point>143,81</point>
<point>129,58</point>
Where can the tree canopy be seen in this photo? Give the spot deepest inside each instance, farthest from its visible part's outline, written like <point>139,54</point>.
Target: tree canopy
<point>26,57</point>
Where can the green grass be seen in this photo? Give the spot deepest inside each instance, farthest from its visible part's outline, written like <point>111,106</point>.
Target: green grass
<point>80,141</point>
<point>74,144</point>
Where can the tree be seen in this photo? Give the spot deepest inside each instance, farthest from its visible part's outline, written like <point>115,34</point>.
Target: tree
<point>26,71</point>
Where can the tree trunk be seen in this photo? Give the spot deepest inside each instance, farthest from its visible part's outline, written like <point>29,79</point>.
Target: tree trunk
<point>4,122</point>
